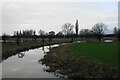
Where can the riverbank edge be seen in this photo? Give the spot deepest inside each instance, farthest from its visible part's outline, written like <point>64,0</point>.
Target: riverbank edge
<point>5,55</point>
<point>71,65</point>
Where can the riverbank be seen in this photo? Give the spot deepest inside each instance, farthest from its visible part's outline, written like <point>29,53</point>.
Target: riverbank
<point>9,49</point>
<point>65,61</point>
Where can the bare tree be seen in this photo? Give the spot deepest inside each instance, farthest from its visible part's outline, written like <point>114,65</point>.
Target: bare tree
<point>85,33</point>
<point>42,35</point>
<point>115,30</point>
<point>41,32</point>
<point>28,33</point>
<point>67,29</point>
<point>15,33</point>
<point>99,30</point>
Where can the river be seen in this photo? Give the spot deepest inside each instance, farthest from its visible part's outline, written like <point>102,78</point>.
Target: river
<point>27,64</point>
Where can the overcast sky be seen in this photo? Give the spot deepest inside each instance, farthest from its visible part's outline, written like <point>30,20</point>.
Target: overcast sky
<point>52,15</point>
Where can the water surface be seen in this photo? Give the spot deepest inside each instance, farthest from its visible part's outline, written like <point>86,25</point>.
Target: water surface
<point>27,65</point>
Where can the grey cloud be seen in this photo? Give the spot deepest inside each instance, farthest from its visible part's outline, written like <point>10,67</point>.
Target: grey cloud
<point>51,16</point>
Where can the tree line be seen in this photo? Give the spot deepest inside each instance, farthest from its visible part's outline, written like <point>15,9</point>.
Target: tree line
<point>97,31</point>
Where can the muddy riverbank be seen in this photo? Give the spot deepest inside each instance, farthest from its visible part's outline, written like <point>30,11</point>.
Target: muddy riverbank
<point>66,62</point>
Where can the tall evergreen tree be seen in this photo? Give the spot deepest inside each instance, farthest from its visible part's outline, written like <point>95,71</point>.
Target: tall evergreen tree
<point>76,27</point>
<point>34,33</point>
<point>18,38</point>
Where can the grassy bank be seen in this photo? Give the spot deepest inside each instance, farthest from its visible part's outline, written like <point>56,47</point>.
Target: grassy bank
<point>9,49</point>
<point>65,61</point>
<point>101,52</point>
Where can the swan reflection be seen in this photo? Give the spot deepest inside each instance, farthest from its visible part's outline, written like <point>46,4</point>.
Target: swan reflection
<point>43,49</point>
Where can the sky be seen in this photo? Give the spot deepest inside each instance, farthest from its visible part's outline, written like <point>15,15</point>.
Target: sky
<point>51,16</point>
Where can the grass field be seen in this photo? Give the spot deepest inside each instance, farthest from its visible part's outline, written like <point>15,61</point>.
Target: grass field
<point>68,62</point>
<point>102,52</point>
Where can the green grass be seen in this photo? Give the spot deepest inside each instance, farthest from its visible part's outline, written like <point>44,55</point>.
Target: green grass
<point>102,52</point>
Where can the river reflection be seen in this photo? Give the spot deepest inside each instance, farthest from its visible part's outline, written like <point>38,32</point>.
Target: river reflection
<point>43,49</point>
<point>27,65</point>
<point>21,54</point>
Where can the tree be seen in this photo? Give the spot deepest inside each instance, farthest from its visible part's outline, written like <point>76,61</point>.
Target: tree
<point>34,36</point>
<point>41,32</point>
<point>28,33</point>
<point>51,35</point>
<point>85,33</point>
<point>76,27</point>
<point>42,35</point>
<point>67,29</point>
<point>59,34</point>
<point>99,30</point>
<point>15,33</point>
<point>115,30</point>
<point>18,37</point>
<point>5,37</point>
